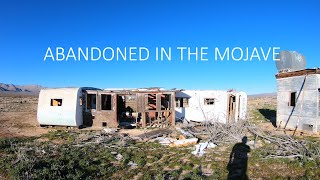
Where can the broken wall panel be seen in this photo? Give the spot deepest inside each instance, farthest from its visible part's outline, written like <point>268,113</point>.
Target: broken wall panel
<point>162,111</point>
<point>101,109</point>
<point>148,108</point>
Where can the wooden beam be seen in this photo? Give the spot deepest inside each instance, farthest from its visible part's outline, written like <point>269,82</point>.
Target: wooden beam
<point>297,73</point>
<point>143,120</point>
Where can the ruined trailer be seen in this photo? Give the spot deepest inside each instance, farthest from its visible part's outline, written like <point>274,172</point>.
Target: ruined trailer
<point>106,108</point>
<point>210,105</point>
<point>150,107</point>
<point>60,106</point>
<point>298,100</point>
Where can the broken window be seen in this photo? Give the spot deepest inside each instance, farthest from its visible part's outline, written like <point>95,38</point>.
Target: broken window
<point>209,101</point>
<point>182,102</point>
<point>165,101</point>
<point>178,102</point>
<point>293,98</point>
<point>56,102</point>
<point>91,101</point>
<point>185,102</point>
<point>130,103</point>
<point>106,102</point>
<point>151,101</point>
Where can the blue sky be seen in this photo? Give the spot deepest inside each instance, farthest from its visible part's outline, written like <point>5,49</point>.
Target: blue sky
<point>28,28</point>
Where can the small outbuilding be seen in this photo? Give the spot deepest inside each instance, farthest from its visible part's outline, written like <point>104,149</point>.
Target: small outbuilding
<point>298,93</point>
<point>210,105</point>
<point>298,100</point>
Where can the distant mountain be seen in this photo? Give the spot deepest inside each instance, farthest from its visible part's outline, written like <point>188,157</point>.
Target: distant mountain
<point>273,94</point>
<point>11,87</point>
<point>20,89</point>
<point>31,88</point>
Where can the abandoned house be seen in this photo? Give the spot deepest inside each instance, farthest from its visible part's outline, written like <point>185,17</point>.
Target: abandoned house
<point>141,107</point>
<point>298,93</point>
<point>210,105</point>
<point>149,107</point>
<point>94,107</point>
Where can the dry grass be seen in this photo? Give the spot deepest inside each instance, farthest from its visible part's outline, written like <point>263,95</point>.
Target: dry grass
<point>25,156</point>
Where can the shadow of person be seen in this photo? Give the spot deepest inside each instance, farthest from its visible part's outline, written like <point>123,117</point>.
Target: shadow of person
<point>238,161</point>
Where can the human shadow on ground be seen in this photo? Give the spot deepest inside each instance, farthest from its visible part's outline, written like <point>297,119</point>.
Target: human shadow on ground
<point>238,162</point>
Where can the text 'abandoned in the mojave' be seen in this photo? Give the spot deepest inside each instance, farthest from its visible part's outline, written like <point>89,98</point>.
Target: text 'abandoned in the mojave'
<point>182,53</point>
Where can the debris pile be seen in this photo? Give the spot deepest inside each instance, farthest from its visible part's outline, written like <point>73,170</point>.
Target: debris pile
<point>181,142</point>
<point>285,146</point>
<point>274,146</point>
<point>202,147</point>
<point>211,135</point>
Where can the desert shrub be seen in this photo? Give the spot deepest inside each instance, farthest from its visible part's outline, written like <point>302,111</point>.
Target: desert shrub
<point>140,160</point>
<point>60,135</point>
<point>196,174</point>
<point>174,174</point>
<point>187,166</point>
<point>68,162</point>
<point>8,144</point>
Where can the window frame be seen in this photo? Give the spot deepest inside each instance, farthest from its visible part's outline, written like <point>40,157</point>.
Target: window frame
<point>293,101</point>
<point>59,100</point>
<point>206,100</point>
<point>181,102</point>
<point>101,102</point>
<point>87,102</point>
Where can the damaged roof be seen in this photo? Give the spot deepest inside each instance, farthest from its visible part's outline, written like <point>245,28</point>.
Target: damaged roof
<point>298,73</point>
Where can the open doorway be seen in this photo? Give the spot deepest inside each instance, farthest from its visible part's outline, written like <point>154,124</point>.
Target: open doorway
<point>127,111</point>
<point>90,104</point>
<point>231,109</point>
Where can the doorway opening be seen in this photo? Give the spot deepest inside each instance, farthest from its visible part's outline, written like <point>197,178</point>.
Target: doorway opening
<point>127,111</point>
<point>231,111</point>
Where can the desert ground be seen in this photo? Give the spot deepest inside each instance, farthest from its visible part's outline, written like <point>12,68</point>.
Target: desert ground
<point>28,151</point>
<point>18,116</point>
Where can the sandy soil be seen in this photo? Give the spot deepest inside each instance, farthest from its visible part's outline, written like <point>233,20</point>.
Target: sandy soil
<point>19,124</point>
<point>18,116</point>
<point>14,124</point>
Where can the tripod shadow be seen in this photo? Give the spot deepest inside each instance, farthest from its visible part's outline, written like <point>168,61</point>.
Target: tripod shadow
<point>238,162</point>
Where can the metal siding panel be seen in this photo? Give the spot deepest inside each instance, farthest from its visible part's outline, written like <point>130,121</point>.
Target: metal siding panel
<point>295,83</point>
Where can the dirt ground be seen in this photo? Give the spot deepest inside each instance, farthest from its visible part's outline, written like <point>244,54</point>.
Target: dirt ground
<point>262,111</point>
<point>18,116</point>
<point>13,124</point>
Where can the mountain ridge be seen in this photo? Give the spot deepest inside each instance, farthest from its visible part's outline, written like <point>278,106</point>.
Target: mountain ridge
<point>32,89</point>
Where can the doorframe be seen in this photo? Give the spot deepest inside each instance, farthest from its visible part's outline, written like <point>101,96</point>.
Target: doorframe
<point>231,103</point>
